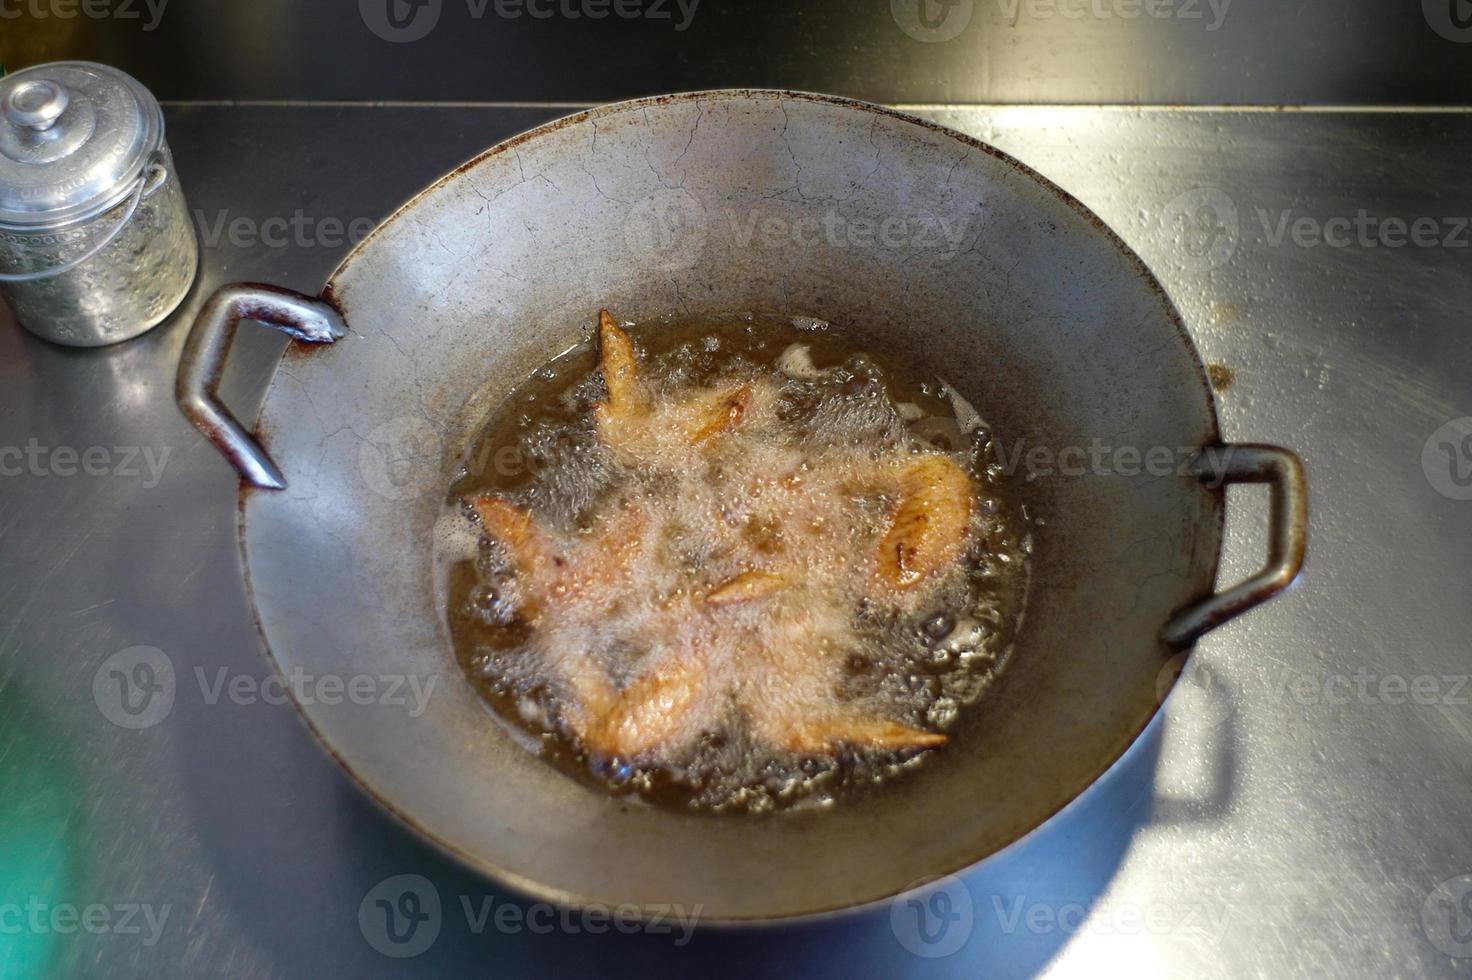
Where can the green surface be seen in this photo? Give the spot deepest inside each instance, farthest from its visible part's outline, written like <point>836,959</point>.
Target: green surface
<point>40,821</point>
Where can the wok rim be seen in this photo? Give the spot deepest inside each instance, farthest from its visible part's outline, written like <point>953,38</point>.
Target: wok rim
<point>529,888</point>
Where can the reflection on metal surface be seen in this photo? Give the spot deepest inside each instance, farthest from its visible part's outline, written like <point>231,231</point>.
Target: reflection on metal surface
<point>43,834</point>
<point>955,51</point>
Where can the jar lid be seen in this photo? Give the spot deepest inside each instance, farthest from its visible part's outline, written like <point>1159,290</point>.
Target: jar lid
<point>73,137</point>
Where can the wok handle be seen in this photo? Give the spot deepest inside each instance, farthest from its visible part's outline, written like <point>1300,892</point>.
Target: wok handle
<point>203,362</point>
<point>1287,535</point>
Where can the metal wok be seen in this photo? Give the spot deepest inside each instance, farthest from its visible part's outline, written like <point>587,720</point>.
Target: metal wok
<point>735,201</point>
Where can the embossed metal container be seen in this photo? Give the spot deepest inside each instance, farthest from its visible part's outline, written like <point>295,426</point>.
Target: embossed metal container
<point>96,245</point>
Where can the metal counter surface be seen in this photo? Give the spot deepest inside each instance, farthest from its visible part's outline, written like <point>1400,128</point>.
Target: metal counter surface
<point>1196,52</point>
<point>1300,809</point>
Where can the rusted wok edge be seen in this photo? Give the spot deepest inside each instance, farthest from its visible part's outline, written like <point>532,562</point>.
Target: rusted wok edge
<point>203,362</point>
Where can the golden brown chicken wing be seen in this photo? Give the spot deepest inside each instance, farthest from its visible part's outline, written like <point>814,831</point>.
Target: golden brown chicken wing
<point>927,531</point>
<point>752,628</point>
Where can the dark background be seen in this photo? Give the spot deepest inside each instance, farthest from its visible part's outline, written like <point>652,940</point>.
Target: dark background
<point>1282,52</point>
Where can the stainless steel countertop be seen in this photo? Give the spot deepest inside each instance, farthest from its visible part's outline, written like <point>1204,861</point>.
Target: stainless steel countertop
<point>1300,811</point>
<point>1322,52</point>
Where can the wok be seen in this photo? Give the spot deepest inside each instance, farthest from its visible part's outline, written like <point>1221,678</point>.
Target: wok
<point>727,201</point>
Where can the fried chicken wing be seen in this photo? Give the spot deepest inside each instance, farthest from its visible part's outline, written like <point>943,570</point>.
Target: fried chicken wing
<point>802,715</point>
<point>621,419</point>
<point>610,722</point>
<point>648,713</point>
<point>927,531</point>
<point>556,575</point>
<point>821,736</point>
<point>632,421</point>
<point>745,587</point>
<point>711,413</point>
<point>626,394</point>
<point>517,532</point>
<point>755,616</point>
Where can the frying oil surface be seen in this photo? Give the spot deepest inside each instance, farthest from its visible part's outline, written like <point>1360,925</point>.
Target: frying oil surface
<point>697,599</point>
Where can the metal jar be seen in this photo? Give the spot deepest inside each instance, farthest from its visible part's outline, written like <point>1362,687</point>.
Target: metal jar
<point>96,245</point>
